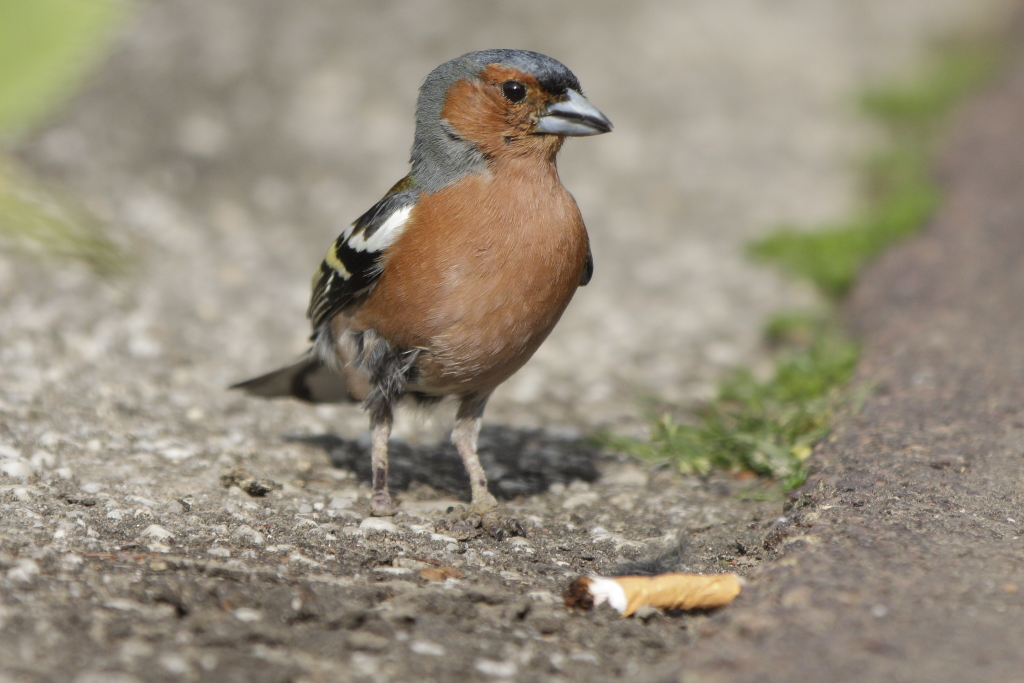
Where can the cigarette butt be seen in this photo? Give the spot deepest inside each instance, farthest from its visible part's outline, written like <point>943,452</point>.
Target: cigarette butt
<point>627,594</point>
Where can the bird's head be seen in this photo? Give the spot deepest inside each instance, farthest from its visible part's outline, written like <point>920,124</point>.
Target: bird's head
<point>491,104</point>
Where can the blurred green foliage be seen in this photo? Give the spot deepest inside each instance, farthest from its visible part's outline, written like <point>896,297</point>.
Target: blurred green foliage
<point>770,427</point>
<point>46,46</point>
<point>36,221</point>
<point>901,192</point>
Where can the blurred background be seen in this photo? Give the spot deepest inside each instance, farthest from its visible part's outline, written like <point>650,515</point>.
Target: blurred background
<point>173,170</point>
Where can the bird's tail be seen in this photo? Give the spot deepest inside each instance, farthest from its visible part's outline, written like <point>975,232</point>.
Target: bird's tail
<point>308,380</point>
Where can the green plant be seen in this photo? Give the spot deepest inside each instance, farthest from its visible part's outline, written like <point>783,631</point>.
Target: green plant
<point>767,427</point>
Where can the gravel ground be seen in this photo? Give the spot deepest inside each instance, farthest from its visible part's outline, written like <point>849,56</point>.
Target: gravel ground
<point>231,142</point>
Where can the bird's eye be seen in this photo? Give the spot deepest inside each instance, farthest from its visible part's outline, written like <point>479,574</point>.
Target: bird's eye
<point>514,91</point>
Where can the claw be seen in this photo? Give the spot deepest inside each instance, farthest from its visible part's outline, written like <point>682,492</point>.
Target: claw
<point>381,505</point>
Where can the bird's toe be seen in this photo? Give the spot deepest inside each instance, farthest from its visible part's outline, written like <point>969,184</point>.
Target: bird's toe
<point>381,505</point>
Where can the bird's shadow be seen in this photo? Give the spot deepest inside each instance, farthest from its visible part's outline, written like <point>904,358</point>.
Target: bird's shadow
<point>518,462</point>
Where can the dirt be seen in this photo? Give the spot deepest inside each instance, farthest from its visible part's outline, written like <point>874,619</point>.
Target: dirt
<point>154,527</point>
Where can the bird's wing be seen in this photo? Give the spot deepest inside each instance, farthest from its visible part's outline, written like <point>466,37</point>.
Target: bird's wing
<point>354,262</point>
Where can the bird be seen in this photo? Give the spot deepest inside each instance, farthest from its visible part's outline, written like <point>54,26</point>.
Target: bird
<point>450,283</point>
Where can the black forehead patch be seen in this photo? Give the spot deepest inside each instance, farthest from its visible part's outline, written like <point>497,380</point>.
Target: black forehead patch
<point>552,75</point>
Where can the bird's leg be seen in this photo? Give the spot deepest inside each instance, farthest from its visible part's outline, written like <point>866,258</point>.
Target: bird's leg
<point>464,436</point>
<point>381,504</point>
<point>465,523</point>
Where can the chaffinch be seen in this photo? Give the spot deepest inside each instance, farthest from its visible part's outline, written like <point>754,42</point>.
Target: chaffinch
<point>448,284</point>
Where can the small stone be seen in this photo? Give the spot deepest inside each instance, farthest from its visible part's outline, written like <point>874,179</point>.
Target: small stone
<point>248,534</point>
<point>425,647</point>
<point>444,539</point>
<point>517,541</point>
<point>65,473</point>
<point>24,571</point>
<point>217,551</point>
<point>22,494</point>
<point>578,499</point>
<point>157,532</point>
<point>43,460</point>
<point>378,524</point>
<point>490,667</point>
<point>16,469</point>
<point>248,615</point>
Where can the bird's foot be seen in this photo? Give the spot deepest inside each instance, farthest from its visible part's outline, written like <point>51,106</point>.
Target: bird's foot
<point>465,523</point>
<point>381,505</point>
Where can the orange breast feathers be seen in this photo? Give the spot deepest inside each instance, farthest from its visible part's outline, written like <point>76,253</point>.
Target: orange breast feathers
<point>481,275</point>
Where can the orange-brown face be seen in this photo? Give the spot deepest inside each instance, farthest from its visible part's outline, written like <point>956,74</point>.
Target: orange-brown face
<point>498,111</point>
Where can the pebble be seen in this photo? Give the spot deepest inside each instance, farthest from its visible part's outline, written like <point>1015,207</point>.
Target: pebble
<point>16,469</point>
<point>24,571</point>
<point>578,499</point>
<point>444,539</point>
<point>247,533</point>
<point>248,615</point>
<point>43,460</point>
<point>425,647</point>
<point>379,524</point>
<point>489,667</point>
<point>157,532</point>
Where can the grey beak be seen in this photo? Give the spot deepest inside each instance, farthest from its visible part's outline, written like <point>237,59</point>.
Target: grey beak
<point>574,115</point>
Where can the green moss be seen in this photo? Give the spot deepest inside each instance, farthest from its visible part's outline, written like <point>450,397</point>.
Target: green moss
<point>770,427</point>
<point>767,427</point>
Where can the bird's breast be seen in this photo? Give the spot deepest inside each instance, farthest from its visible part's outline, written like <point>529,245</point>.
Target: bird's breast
<point>480,277</point>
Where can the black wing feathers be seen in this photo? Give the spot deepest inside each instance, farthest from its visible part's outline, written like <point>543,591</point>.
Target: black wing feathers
<point>346,273</point>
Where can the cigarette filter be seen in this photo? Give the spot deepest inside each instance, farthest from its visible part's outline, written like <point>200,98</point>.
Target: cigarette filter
<point>627,594</point>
